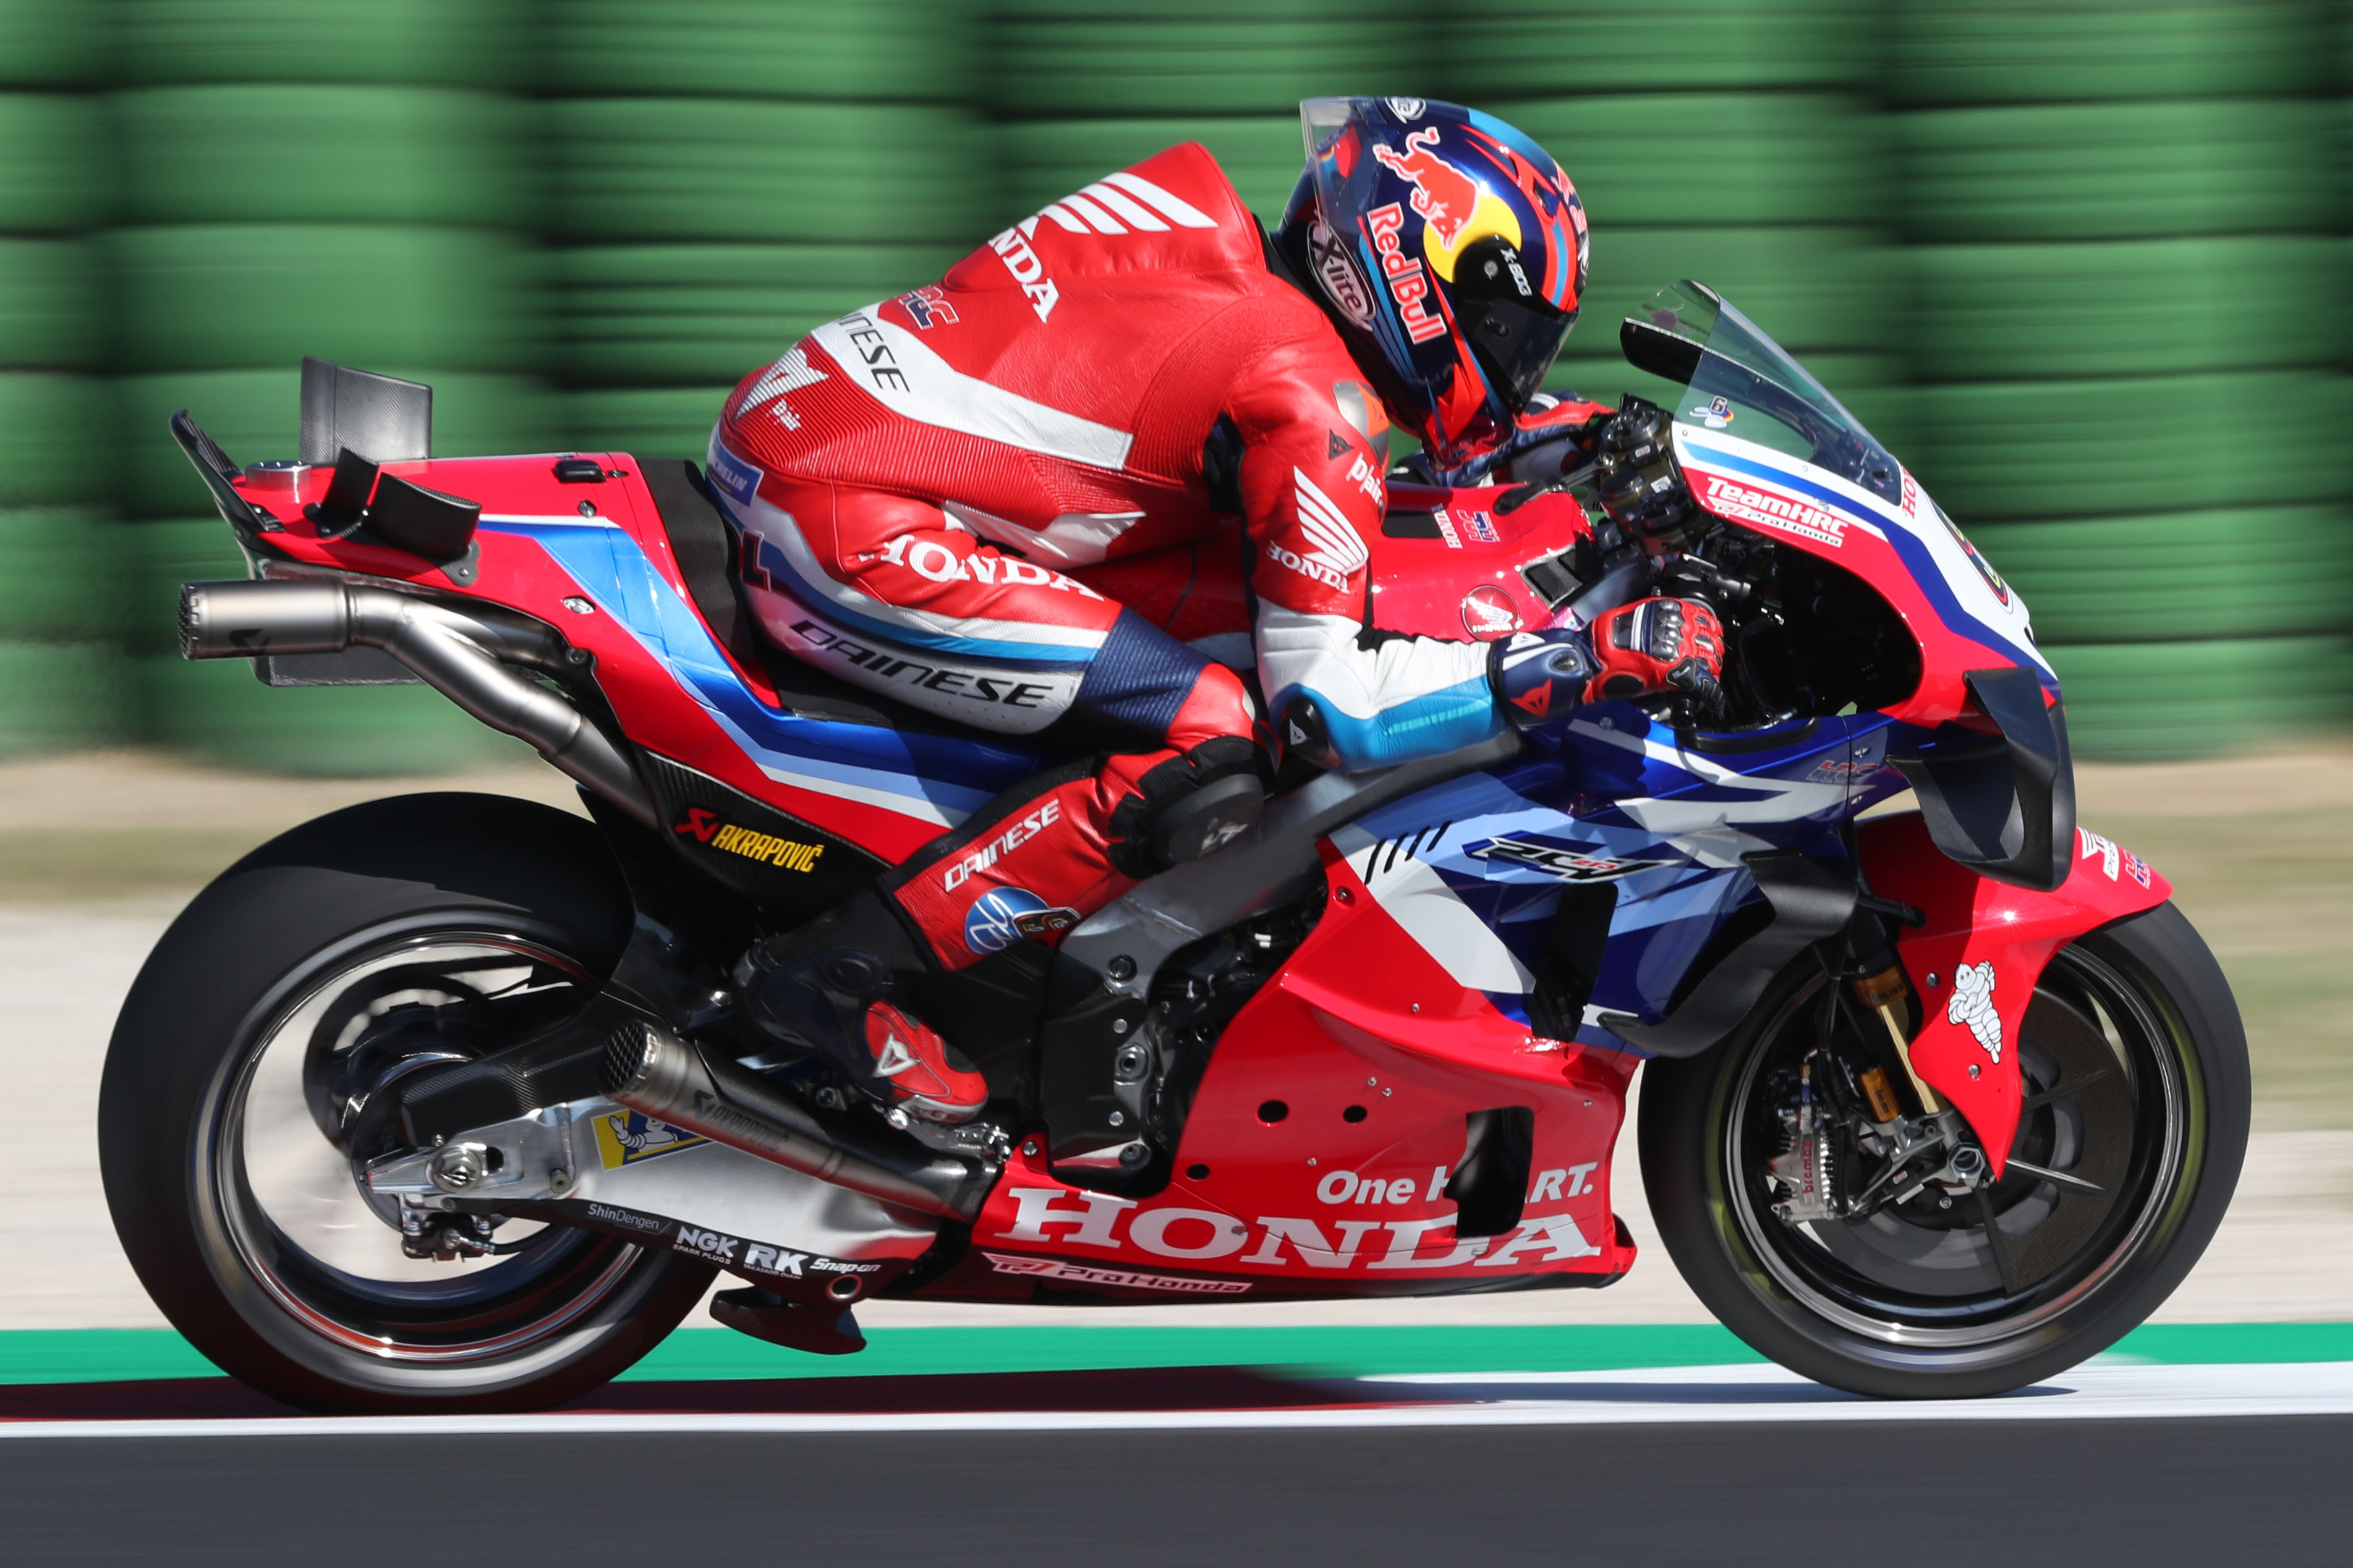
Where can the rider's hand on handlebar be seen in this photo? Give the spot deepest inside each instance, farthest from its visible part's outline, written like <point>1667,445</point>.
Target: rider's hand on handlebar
<point>1539,675</point>
<point>1659,645</point>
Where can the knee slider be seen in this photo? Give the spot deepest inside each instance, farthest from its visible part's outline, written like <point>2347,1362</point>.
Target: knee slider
<point>1194,803</point>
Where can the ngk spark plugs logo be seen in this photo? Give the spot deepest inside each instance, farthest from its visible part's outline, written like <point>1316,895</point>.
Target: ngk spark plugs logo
<point>1771,508</point>
<point>1059,1216</point>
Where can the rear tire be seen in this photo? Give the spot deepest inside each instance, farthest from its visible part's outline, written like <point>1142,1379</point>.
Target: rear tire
<point>1900,1306</point>
<point>330,1315</point>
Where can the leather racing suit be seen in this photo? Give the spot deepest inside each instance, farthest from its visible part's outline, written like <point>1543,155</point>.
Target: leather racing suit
<point>1108,377</point>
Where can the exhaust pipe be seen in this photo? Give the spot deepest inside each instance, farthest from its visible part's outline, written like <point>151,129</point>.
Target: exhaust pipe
<point>669,1079</point>
<point>468,655</point>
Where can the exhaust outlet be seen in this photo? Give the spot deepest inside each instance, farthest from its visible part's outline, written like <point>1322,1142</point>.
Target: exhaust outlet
<point>652,1071</point>
<point>469,653</point>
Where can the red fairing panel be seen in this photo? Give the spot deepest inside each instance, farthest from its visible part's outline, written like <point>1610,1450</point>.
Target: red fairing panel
<point>1467,580</point>
<point>1976,961</point>
<point>1312,1202</point>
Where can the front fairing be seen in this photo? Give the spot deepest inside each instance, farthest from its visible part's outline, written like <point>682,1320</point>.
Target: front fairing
<point>1765,447</point>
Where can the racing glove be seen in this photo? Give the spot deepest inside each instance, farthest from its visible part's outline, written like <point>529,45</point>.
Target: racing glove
<point>1539,675</point>
<point>1659,645</point>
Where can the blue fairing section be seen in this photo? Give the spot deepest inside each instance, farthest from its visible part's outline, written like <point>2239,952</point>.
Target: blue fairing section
<point>1624,806</point>
<point>1428,726</point>
<point>937,777</point>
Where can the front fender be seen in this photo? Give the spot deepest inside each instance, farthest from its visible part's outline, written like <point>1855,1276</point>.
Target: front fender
<point>1976,960</point>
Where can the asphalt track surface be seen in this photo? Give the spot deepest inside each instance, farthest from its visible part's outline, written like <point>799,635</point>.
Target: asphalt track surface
<point>1710,1465</point>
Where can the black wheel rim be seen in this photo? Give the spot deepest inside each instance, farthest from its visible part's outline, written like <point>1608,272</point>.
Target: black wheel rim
<point>2109,1101</point>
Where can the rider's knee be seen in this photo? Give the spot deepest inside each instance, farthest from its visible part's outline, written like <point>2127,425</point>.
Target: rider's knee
<point>1184,807</point>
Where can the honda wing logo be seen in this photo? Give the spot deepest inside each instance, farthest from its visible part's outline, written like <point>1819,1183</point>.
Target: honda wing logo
<point>1336,550</point>
<point>1560,862</point>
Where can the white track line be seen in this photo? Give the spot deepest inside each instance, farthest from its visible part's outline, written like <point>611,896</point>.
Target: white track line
<point>2098,1391</point>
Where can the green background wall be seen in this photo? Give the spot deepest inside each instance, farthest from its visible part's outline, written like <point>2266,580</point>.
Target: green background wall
<point>2080,262</point>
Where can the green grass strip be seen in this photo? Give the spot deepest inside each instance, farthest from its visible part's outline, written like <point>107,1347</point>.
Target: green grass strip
<point>111,1355</point>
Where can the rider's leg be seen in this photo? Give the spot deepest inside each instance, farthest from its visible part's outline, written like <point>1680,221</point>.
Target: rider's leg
<point>890,594</point>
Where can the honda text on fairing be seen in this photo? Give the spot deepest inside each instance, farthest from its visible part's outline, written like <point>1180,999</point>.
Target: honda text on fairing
<point>1940,1101</point>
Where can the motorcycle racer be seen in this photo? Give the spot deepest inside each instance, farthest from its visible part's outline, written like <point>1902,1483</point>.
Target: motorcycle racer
<point>913,484</point>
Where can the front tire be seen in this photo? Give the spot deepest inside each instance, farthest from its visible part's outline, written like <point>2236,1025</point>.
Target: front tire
<point>2147,1110</point>
<point>417,930</point>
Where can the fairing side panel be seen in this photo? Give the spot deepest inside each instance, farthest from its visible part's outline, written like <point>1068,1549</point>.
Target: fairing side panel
<point>1977,959</point>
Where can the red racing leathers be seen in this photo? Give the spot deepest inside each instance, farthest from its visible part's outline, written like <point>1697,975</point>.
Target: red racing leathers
<point>1105,377</point>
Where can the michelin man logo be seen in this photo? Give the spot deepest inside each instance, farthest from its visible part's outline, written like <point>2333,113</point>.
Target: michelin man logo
<point>1972,1005</point>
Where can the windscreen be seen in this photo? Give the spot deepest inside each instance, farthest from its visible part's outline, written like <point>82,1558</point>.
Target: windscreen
<point>1738,380</point>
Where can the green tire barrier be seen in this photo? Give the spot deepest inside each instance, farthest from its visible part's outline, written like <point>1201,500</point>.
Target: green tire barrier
<point>53,439</point>
<point>49,42</point>
<point>216,710</point>
<point>52,161</point>
<point>312,154</point>
<point>2181,575</point>
<point>59,694</point>
<point>1526,48</point>
<point>2023,52</point>
<point>255,415</point>
<point>1814,290</point>
<point>2091,448</point>
<point>1104,59</point>
<point>60,579</point>
<point>665,422</point>
<point>675,169</point>
<point>2117,171</point>
<point>1047,160</point>
<point>1731,159</point>
<point>2126,308</point>
<point>461,42</point>
<point>2146,701</point>
<point>50,303</point>
<point>894,50</point>
<point>670,315</point>
<point>216,297</point>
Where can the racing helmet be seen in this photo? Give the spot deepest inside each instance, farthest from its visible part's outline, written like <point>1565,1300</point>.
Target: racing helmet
<point>1448,249</point>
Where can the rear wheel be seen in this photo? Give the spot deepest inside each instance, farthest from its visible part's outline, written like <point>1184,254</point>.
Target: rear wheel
<point>2135,1125</point>
<point>233,1116</point>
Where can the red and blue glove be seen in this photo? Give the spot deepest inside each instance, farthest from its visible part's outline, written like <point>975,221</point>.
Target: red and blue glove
<point>1637,650</point>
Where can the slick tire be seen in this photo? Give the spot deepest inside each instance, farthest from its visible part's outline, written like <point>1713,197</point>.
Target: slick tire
<point>410,878</point>
<point>2185,1095</point>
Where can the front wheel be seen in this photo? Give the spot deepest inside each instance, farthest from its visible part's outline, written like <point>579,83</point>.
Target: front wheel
<point>317,971</point>
<point>2135,1121</point>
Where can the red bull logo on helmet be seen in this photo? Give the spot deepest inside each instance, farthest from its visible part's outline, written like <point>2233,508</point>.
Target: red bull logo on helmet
<point>1443,194</point>
<point>1408,284</point>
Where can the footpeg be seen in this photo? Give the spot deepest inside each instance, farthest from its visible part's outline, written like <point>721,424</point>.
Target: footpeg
<point>820,1330</point>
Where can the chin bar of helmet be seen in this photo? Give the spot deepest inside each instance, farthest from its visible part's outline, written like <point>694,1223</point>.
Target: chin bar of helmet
<point>476,655</point>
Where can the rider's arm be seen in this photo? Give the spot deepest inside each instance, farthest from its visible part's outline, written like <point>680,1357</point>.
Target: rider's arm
<point>1313,493</point>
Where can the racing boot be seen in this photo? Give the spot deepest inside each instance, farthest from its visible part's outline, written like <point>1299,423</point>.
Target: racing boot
<point>839,987</point>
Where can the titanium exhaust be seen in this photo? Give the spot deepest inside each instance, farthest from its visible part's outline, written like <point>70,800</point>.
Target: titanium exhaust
<point>468,655</point>
<point>652,1071</point>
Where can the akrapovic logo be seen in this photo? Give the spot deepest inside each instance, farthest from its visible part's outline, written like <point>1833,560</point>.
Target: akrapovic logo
<point>708,827</point>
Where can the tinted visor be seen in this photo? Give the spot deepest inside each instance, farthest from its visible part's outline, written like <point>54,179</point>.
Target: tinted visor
<point>1516,332</point>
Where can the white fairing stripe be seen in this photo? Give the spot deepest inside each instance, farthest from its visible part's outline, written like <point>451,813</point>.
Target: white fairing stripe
<point>1126,207</point>
<point>1320,654</point>
<point>925,388</point>
<point>1182,213</point>
<point>1412,893</point>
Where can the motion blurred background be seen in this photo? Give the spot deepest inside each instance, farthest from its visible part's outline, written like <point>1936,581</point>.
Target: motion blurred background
<point>2078,261</point>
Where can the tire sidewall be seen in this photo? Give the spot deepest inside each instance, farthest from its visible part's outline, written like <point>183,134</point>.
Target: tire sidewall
<point>1685,1105</point>
<point>248,948</point>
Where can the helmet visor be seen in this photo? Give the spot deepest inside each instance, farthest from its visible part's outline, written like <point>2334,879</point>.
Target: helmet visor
<point>1515,342</point>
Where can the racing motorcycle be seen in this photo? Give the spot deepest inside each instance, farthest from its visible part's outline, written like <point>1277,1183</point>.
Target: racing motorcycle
<point>1940,1101</point>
